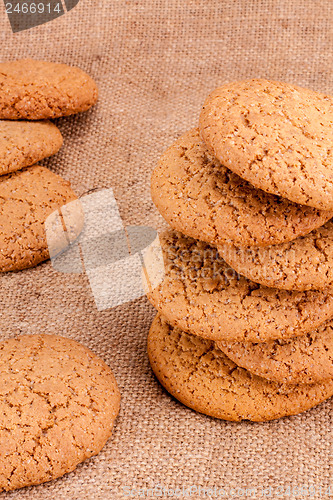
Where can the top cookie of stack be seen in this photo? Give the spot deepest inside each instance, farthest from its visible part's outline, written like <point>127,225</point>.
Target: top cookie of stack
<point>276,136</point>
<point>35,91</point>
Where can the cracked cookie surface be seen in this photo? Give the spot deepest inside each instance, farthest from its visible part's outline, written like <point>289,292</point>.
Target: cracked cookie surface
<point>24,143</point>
<point>302,264</point>
<point>27,198</point>
<point>276,136</point>
<point>200,197</point>
<point>302,360</point>
<point>35,90</point>
<point>58,405</point>
<point>201,294</point>
<point>197,373</point>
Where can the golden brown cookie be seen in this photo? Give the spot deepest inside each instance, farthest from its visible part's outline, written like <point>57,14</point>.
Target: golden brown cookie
<point>302,264</point>
<point>35,90</point>
<point>203,295</point>
<point>197,373</point>
<point>58,405</point>
<point>301,360</point>
<point>28,198</point>
<point>203,199</point>
<point>276,136</point>
<point>24,143</point>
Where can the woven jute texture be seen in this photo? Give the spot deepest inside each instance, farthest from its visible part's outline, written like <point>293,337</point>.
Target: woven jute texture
<point>155,61</point>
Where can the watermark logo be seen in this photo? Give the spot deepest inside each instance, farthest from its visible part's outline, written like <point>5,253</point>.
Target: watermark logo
<point>121,263</point>
<point>26,14</point>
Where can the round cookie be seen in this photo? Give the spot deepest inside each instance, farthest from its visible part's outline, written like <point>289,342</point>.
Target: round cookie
<point>58,405</point>
<point>24,143</point>
<point>203,199</point>
<point>202,295</point>
<point>302,264</point>
<point>35,90</point>
<point>300,360</point>
<point>276,136</point>
<point>197,373</point>
<point>28,198</point>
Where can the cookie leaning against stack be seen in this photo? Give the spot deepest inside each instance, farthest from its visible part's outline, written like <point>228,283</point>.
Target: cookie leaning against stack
<point>254,183</point>
<point>35,90</point>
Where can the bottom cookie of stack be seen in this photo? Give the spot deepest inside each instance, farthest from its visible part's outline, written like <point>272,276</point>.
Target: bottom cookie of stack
<point>196,372</point>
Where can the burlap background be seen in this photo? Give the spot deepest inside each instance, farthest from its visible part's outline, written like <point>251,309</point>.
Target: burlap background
<point>155,61</point>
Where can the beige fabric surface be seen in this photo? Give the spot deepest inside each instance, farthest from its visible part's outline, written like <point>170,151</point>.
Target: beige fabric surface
<point>155,61</point>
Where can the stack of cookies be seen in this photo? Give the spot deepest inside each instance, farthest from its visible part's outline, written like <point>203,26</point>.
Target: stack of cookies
<point>245,311</point>
<point>31,93</point>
